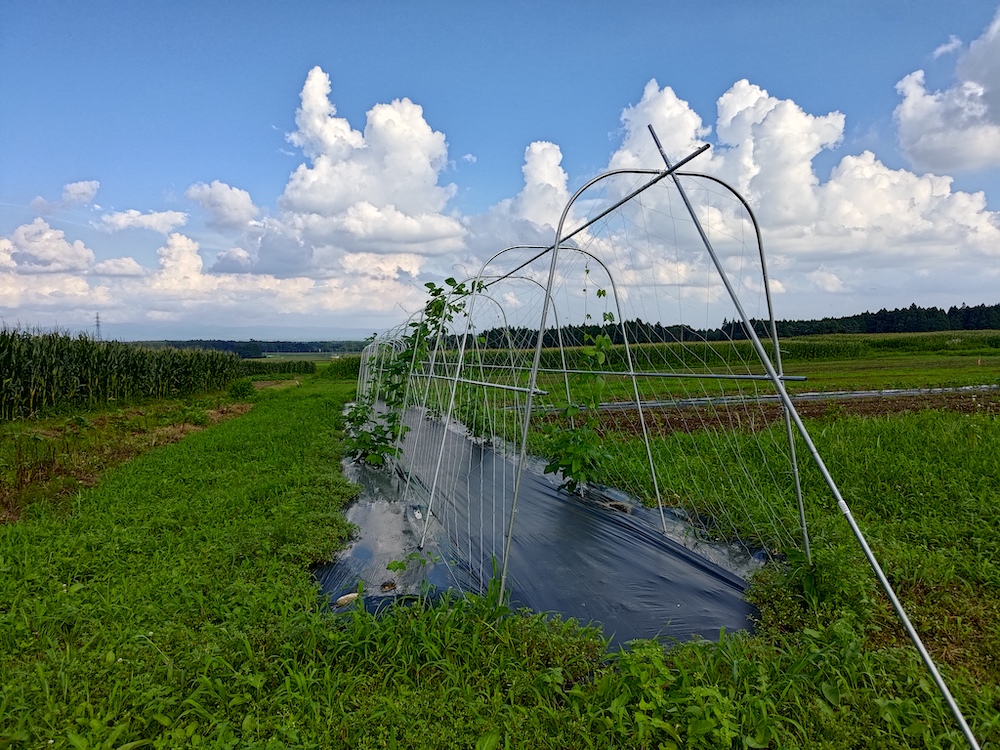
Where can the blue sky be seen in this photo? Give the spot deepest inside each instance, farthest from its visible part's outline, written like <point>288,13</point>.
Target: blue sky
<point>114,113</point>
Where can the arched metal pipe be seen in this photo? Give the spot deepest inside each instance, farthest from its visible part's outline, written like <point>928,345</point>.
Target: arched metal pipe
<point>828,478</point>
<point>533,377</point>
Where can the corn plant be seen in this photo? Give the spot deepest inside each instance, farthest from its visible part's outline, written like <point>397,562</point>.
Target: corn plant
<point>45,370</point>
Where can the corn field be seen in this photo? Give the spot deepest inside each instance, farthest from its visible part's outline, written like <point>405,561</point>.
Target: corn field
<point>44,370</point>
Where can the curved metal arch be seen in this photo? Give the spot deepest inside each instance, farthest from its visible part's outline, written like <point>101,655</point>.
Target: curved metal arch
<point>631,373</point>
<point>777,351</point>
<point>827,476</point>
<point>559,239</point>
<point>460,365</point>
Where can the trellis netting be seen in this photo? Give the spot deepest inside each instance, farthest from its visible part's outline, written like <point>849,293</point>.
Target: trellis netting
<point>635,361</point>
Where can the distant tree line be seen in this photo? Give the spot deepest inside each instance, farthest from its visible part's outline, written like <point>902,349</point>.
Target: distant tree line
<point>252,349</point>
<point>912,319</point>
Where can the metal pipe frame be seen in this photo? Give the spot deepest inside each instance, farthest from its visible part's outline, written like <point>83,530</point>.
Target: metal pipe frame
<point>658,175</point>
<point>828,478</point>
<point>774,340</point>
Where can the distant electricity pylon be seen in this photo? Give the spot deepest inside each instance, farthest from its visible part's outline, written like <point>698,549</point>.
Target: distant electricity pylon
<point>97,326</point>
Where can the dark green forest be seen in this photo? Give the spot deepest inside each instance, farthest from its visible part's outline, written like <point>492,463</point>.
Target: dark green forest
<point>912,319</point>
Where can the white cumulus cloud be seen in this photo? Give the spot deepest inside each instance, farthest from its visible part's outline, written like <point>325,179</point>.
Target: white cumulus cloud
<point>864,219</point>
<point>126,267</point>
<point>228,206</point>
<point>381,266</point>
<point>365,219</point>
<point>80,192</point>
<point>74,193</point>
<point>826,281</point>
<point>376,191</point>
<point>957,128</point>
<point>38,248</point>
<point>531,216</point>
<point>157,221</point>
<point>234,260</point>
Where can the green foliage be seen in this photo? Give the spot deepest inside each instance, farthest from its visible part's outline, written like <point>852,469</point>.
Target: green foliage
<point>369,438</point>
<point>958,321</point>
<point>45,371</point>
<point>344,367</point>
<point>277,366</point>
<point>417,557</point>
<point>577,452</point>
<point>242,389</point>
<point>174,598</point>
<point>374,435</point>
<point>248,349</point>
<point>47,460</point>
<point>173,607</point>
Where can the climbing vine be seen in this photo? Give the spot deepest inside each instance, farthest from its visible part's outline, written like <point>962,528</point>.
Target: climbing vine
<point>576,453</point>
<point>374,435</point>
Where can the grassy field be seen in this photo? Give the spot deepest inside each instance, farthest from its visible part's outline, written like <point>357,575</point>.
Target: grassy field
<point>896,371</point>
<point>168,602</point>
<point>303,356</point>
<point>827,363</point>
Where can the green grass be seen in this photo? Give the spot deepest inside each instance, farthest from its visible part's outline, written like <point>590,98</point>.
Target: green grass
<point>301,356</point>
<point>869,363</point>
<point>941,370</point>
<point>171,606</point>
<point>185,566</point>
<point>47,460</point>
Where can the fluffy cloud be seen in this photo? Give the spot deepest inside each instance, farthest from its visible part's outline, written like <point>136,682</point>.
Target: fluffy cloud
<point>957,128</point>
<point>381,266</point>
<point>320,132</point>
<point>679,128</point>
<point>375,192</point>
<point>38,248</point>
<point>74,193</point>
<point>531,216</point>
<point>228,207</point>
<point>865,215</point>
<point>234,260</point>
<point>545,194</point>
<point>157,221</point>
<point>895,212</point>
<point>180,268</point>
<point>127,267</point>
<point>397,161</point>
<point>826,281</point>
<point>80,192</point>
<point>58,292</point>
<point>7,254</point>
<point>365,219</point>
<point>770,147</point>
<point>180,290</point>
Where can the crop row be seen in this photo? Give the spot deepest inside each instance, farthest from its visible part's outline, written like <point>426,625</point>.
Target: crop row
<point>44,370</point>
<point>739,355</point>
<point>277,366</point>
